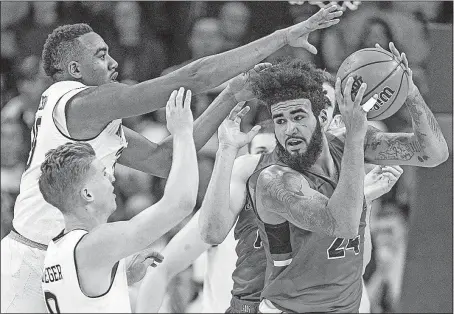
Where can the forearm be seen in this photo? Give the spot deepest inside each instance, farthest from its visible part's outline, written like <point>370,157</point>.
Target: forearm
<point>216,219</point>
<point>152,291</point>
<point>215,70</point>
<point>183,180</point>
<point>346,203</point>
<point>184,248</point>
<point>426,129</point>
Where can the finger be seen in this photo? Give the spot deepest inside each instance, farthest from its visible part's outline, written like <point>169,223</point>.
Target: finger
<point>337,90</point>
<point>328,24</point>
<point>394,171</point>
<point>370,103</point>
<point>187,100</point>
<point>348,89</point>
<point>376,169</point>
<point>253,132</point>
<point>333,15</point>
<point>331,8</point>
<point>261,66</point>
<point>404,59</point>
<point>393,49</point>
<point>179,99</point>
<point>172,97</point>
<point>235,110</point>
<point>242,113</point>
<point>309,47</point>
<point>360,94</point>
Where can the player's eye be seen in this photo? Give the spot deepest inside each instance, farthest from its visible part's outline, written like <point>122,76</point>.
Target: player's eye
<point>103,57</point>
<point>279,121</point>
<point>298,117</point>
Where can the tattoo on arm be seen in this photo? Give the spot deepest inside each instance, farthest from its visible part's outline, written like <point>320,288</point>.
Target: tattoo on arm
<point>418,107</point>
<point>282,193</point>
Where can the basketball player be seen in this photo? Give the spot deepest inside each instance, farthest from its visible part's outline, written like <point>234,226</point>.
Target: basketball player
<point>84,267</point>
<point>86,104</point>
<point>187,245</point>
<point>296,126</point>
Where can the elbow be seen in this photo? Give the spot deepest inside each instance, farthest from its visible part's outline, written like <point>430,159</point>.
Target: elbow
<point>210,238</point>
<point>210,234</point>
<point>435,161</point>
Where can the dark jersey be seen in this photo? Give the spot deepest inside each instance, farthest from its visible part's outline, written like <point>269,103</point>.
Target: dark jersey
<point>308,271</point>
<point>249,274</point>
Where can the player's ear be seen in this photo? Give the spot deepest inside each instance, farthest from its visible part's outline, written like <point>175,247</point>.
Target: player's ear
<point>323,118</point>
<point>86,195</point>
<point>74,69</point>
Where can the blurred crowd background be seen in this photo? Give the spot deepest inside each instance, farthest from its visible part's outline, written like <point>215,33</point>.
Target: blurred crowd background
<point>149,39</point>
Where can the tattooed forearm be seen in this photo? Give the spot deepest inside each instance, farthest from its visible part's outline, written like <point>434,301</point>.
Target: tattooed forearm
<point>400,148</point>
<point>418,110</point>
<point>282,193</point>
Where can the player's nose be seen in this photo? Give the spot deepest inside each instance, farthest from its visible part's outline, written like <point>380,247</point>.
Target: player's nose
<point>113,64</point>
<point>291,128</point>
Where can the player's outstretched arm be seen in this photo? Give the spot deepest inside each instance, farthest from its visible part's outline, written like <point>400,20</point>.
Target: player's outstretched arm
<point>110,242</point>
<point>143,155</point>
<point>184,248</point>
<point>97,106</point>
<point>226,192</point>
<point>425,147</point>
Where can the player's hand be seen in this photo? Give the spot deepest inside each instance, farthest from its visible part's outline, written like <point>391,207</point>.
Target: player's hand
<point>353,115</point>
<point>297,35</point>
<point>402,57</point>
<point>139,263</point>
<point>178,112</point>
<point>229,133</point>
<point>380,180</point>
<point>240,85</point>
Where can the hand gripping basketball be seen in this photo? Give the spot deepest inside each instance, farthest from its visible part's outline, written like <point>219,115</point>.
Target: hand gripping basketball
<point>354,116</point>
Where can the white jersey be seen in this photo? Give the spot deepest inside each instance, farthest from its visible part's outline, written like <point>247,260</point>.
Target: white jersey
<point>218,282</point>
<point>34,218</point>
<point>60,282</point>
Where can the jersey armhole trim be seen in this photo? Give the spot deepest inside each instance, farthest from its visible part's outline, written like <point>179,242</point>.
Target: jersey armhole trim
<point>66,114</point>
<point>112,275</point>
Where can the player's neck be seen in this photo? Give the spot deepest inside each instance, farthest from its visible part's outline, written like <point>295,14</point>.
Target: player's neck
<point>82,220</point>
<point>325,163</point>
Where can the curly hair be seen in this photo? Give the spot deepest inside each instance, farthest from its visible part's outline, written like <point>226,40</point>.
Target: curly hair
<point>290,79</point>
<point>62,172</point>
<point>61,45</point>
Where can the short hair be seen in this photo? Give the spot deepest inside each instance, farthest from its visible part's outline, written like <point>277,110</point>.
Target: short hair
<point>60,46</point>
<point>63,171</point>
<point>290,79</point>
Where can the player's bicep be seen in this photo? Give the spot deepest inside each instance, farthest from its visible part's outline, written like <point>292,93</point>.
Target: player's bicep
<point>385,148</point>
<point>289,196</point>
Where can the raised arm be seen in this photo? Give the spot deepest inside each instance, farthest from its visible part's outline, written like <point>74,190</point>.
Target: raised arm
<point>283,194</point>
<point>110,242</point>
<point>184,248</point>
<point>97,106</point>
<point>226,192</point>
<point>143,155</point>
<point>425,147</point>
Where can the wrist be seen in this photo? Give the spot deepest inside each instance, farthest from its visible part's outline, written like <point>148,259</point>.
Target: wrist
<point>282,35</point>
<point>183,133</point>
<point>227,148</point>
<point>413,93</point>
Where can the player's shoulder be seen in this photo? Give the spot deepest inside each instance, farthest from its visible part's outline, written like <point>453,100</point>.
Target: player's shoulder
<point>281,173</point>
<point>336,133</point>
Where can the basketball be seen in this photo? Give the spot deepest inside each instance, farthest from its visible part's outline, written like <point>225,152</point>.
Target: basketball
<point>384,76</point>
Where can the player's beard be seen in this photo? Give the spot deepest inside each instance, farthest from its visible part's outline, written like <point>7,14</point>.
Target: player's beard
<point>305,160</point>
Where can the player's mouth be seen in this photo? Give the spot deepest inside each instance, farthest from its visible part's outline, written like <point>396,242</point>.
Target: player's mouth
<point>294,143</point>
<point>113,77</point>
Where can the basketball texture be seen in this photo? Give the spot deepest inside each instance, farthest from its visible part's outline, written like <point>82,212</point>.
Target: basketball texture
<point>384,76</point>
